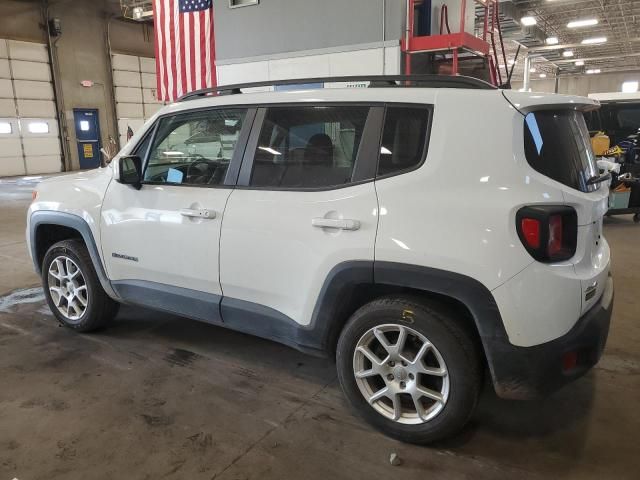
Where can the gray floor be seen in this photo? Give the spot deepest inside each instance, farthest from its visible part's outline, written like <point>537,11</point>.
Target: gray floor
<point>158,396</point>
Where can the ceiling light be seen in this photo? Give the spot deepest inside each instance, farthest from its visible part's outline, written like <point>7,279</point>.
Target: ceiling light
<point>543,75</point>
<point>630,87</point>
<point>567,53</point>
<point>582,23</point>
<point>512,62</point>
<point>579,63</point>
<point>594,40</point>
<point>528,21</point>
<point>593,70</point>
<point>532,70</point>
<point>552,40</point>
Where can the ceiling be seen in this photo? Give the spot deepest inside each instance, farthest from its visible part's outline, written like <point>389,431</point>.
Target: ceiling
<point>618,21</point>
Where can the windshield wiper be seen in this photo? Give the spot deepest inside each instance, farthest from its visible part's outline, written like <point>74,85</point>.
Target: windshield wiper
<point>599,178</point>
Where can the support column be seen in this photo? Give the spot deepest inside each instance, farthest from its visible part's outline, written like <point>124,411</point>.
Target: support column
<point>527,73</point>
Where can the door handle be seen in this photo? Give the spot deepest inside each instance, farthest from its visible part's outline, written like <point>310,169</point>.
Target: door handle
<point>335,223</point>
<point>198,213</point>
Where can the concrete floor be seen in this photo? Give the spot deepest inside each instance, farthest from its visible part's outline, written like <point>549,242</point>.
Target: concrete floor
<point>157,396</point>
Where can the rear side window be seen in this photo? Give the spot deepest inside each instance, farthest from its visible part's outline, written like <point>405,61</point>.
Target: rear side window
<point>556,144</point>
<point>308,147</point>
<point>404,139</point>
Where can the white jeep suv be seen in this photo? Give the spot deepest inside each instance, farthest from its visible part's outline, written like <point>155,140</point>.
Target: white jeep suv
<point>426,231</point>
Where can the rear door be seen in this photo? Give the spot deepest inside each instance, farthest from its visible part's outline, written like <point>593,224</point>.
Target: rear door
<point>305,204</point>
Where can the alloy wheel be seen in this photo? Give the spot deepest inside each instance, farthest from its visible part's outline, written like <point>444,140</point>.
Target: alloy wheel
<point>68,288</point>
<point>401,374</point>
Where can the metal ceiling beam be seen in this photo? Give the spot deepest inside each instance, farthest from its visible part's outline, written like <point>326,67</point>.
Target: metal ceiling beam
<point>575,45</point>
<point>604,57</point>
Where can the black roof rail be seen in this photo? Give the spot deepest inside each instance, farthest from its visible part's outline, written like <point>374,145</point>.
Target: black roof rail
<point>376,81</point>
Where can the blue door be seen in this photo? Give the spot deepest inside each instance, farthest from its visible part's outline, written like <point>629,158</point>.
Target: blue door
<point>87,136</point>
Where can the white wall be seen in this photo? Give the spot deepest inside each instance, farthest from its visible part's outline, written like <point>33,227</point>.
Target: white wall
<point>583,84</point>
<point>365,61</point>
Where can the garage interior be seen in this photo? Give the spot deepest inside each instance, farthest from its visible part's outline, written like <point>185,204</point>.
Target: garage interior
<point>159,396</point>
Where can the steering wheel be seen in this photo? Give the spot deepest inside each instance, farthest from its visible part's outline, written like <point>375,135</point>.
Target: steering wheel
<point>191,177</point>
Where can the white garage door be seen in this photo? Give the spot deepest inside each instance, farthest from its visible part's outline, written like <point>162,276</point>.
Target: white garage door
<point>134,80</point>
<point>29,134</point>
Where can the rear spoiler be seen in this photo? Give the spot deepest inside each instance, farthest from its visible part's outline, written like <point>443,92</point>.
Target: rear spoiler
<point>526,102</point>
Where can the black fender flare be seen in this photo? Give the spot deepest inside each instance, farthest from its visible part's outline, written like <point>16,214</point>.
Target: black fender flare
<point>75,222</point>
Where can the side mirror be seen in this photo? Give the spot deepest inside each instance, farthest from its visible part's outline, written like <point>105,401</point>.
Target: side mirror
<point>130,171</point>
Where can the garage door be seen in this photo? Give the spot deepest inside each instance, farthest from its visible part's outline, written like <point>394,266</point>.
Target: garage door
<point>29,133</point>
<point>134,80</point>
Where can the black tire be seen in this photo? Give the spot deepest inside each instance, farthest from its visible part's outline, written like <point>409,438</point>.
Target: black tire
<point>100,308</point>
<point>456,346</point>
<point>636,218</point>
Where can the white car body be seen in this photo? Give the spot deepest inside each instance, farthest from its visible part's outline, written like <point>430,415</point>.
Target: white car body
<point>455,213</point>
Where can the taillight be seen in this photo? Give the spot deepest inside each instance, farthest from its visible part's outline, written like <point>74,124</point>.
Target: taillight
<point>531,231</point>
<point>548,232</point>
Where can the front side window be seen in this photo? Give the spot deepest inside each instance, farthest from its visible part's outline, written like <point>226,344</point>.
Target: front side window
<point>404,139</point>
<point>194,148</point>
<point>557,144</point>
<point>308,147</point>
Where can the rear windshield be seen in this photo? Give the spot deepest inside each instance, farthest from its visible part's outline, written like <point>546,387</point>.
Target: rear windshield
<point>557,144</point>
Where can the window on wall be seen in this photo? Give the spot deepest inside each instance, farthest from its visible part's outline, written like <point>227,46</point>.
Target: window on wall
<point>5,127</point>
<point>404,139</point>
<point>194,148</point>
<point>308,147</point>
<point>242,3</point>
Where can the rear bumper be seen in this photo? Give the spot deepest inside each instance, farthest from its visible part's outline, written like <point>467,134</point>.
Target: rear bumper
<point>531,372</point>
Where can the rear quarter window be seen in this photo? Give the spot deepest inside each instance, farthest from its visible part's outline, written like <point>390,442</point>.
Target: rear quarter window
<point>557,144</point>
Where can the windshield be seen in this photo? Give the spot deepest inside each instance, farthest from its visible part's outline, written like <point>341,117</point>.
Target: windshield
<point>557,144</point>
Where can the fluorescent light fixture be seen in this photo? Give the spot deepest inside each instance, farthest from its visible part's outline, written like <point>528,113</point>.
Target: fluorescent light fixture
<point>385,151</point>
<point>594,40</point>
<point>532,70</point>
<point>528,21</point>
<point>567,53</point>
<point>587,22</point>
<point>593,70</point>
<point>552,40</point>
<point>512,62</point>
<point>5,127</point>
<point>270,150</point>
<point>630,87</point>
<point>579,63</point>
<point>173,153</point>
<point>38,127</point>
<point>543,75</point>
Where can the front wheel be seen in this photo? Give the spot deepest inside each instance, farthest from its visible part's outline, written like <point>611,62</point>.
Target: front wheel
<point>72,288</point>
<point>411,370</point>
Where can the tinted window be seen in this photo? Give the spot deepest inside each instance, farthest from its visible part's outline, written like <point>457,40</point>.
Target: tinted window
<point>556,144</point>
<point>194,148</point>
<point>403,139</point>
<point>308,147</point>
<point>629,116</point>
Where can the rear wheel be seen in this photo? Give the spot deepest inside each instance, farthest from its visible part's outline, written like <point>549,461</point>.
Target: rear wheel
<point>409,369</point>
<point>72,288</point>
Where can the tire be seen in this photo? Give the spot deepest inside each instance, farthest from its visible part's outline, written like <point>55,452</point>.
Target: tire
<point>458,389</point>
<point>636,218</point>
<point>92,308</point>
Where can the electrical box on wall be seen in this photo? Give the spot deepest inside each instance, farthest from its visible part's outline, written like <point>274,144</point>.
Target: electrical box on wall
<point>55,27</point>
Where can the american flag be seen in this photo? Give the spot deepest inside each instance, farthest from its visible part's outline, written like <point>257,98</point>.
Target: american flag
<point>185,46</point>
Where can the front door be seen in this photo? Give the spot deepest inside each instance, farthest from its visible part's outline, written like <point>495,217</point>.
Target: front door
<point>305,203</point>
<point>160,243</point>
<point>87,136</point>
